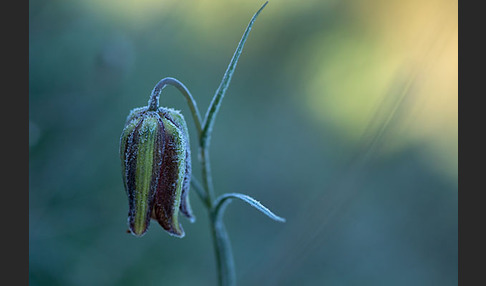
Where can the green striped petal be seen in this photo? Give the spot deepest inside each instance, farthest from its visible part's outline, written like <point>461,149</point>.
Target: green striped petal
<point>156,169</point>
<point>143,145</point>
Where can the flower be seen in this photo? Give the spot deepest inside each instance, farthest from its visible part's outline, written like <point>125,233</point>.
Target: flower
<point>156,169</point>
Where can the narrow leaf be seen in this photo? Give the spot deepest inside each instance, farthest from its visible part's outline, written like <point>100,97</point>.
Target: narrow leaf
<point>220,202</point>
<point>216,101</point>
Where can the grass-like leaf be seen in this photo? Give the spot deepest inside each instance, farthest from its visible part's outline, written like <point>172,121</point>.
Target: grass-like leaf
<point>216,101</point>
<point>222,201</point>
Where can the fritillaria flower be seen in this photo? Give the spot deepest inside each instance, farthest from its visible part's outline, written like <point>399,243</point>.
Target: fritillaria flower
<point>156,169</point>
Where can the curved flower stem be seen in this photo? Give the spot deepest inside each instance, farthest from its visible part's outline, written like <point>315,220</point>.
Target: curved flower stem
<point>154,99</point>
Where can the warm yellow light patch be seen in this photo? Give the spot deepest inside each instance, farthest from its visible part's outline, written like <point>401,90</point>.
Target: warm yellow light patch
<point>356,73</point>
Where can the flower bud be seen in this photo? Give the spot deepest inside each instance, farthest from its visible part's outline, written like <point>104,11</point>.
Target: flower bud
<point>156,169</point>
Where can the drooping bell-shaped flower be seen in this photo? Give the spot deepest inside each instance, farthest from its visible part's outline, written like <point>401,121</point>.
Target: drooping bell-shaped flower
<point>156,168</point>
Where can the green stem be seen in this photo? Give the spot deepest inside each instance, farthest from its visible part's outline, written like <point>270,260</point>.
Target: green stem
<point>206,175</point>
<point>221,241</point>
<point>153,103</point>
<point>222,247</point>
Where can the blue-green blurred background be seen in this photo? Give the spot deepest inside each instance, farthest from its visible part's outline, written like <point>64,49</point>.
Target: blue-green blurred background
<point>341,117</point>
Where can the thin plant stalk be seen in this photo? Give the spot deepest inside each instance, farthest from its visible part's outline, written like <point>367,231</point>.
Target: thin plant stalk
<point>221,241</point>
<point>205,190</point>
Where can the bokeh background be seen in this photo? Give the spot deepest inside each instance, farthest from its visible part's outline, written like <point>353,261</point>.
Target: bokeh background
<point>341,117</point>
